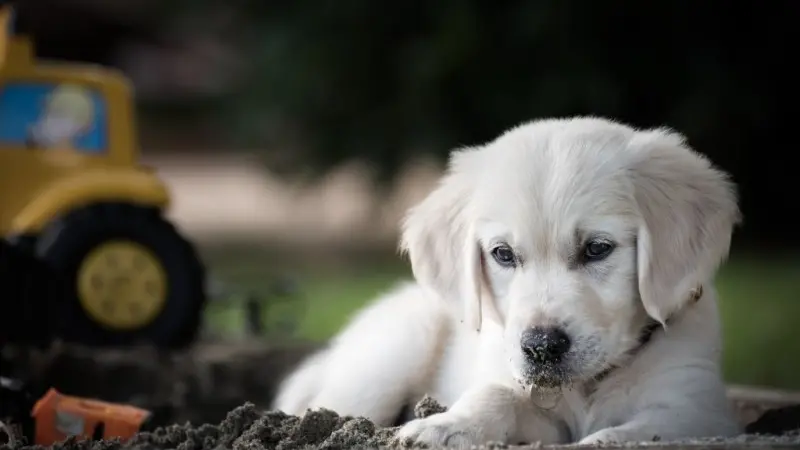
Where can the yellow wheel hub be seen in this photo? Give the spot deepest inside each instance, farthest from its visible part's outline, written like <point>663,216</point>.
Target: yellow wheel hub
<point>122,285</point>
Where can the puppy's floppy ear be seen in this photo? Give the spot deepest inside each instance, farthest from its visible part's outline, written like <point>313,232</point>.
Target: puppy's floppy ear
<point>688,210</point>
<point>439,240</point>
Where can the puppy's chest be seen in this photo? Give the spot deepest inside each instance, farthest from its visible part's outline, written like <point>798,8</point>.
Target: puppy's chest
<point>585,412</point>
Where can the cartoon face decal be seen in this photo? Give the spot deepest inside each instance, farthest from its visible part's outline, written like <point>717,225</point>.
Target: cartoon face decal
<point>44,115</point>
<point>67,115</point>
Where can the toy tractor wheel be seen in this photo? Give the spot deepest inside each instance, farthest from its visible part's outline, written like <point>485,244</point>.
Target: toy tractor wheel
<point>134,278</point>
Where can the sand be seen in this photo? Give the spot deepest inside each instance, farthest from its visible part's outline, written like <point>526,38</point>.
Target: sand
<point>250,428</point>
<point>227,387</point>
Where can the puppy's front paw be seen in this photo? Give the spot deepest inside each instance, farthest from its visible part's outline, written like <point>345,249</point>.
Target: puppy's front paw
<point>606,436</point>
<point>448,430</point>
<point>616,436</point>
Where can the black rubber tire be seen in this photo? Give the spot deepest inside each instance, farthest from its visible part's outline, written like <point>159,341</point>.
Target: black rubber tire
<point>33,293</point>
<point>68,240</point>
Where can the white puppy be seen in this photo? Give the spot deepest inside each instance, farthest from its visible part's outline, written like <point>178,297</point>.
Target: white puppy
<point>565,293</point>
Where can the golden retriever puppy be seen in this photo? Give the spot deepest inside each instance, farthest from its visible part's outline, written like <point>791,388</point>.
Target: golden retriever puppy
<point>564,293</point>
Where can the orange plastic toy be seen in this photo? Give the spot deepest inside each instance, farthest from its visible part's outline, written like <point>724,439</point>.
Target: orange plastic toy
<point>58,416</point>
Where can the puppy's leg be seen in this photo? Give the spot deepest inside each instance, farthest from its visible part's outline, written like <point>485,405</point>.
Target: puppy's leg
<point>487,413</point>
<point>383,359</point>
<point>666,424</point>
<point>693,404</point>
<point>296,391</point>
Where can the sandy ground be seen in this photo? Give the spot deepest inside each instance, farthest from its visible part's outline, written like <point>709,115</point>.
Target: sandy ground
<point>213,397</point>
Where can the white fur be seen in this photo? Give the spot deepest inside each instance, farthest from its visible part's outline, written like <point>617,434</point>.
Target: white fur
<point>544,188</point>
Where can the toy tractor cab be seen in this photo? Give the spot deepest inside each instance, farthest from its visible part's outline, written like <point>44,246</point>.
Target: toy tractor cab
<point>73,194</point>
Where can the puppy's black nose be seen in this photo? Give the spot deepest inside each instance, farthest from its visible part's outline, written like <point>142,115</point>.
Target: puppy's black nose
<point>544,345</point>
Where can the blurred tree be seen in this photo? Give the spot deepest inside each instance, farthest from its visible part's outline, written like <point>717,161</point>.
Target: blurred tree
<point>384,81</point>
<point>379,81</point>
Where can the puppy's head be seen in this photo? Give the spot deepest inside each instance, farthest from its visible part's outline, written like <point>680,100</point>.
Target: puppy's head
<point>569,234</point>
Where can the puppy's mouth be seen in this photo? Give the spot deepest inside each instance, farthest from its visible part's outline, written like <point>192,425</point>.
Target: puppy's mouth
<point>547,376</point>
<point>576,367</point>
<point>554,371</point>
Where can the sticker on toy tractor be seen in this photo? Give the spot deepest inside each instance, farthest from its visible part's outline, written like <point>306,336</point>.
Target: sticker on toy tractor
<point>52,115</point>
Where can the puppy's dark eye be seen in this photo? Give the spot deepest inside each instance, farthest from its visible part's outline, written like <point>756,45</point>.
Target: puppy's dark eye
<point>597,250</point>
<point>504,256</point>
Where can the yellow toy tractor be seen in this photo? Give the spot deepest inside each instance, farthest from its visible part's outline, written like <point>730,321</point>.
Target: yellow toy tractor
<point>74,195</point>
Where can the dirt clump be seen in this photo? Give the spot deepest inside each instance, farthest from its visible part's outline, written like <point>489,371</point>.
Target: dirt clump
<point>428,406</point>
<point>320,429</point>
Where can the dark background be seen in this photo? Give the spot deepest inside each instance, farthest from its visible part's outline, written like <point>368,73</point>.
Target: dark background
<point>305,86</point>
<point>375,79</point>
